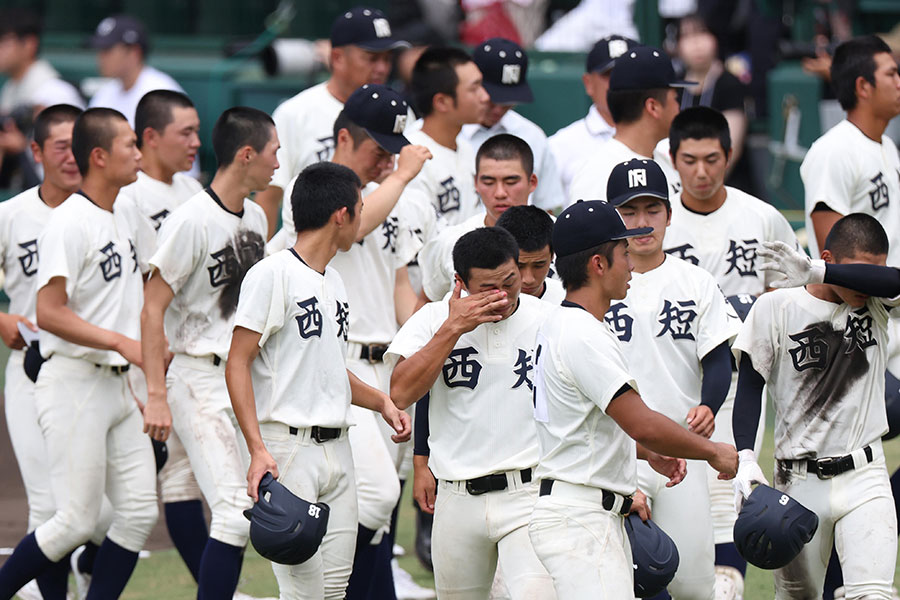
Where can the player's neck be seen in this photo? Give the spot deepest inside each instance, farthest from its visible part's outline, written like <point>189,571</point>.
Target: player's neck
<point>871,126</point>
<point>130,78</point>
<point>229,186</point>
<point>604,112</point>
<point>442,131</point>
<point>647,262</point>
<point>53,195</point>
<point>823,292</point>
<point>709,205</point>
<point>591,298</point>
<point>18,74</point>
<point>316,247</point>
<point>340,90</point>
<point>638,136</point>
<point>152,166</point>
<point>99,191</point>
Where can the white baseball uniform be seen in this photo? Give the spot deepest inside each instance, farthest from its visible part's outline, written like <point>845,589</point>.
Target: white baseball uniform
<point>96,252</point>
<point>575,142</point>
<point>303,318</point>
<point>481,425</point>
<point>554,292</point>
<point>203,252</point>
<point>579,370</point>
<point>157,199</point>
<point>436,256</point>
<point>549,193</point>
<point>672,317</point>
<point>590,181</point>
<point>114,95</point>
<point>824,364</point>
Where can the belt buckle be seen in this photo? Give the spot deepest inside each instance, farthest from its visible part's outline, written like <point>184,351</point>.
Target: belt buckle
<point>472,490</point>
<point>316,434</point>
<point>822,463</point>
<point>371,353</point>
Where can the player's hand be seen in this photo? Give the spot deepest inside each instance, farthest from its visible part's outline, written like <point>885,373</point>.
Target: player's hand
<point>673,468</point>
<point>795,267</point>
<point>725,460</point>
<point>130,350</point>
<point>157,417</point>
<point>640,505</point>
<point>701,421</point>
<point>468,313</point>
<point>261,462</point>
<point>424,484</point>
<point>398,420</point>
<point>9,330</point>
<point>410,161</point>
<point>748,474</point>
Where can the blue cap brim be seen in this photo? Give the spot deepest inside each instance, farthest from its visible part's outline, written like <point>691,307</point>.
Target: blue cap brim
<point>509,94</point>
<point>630,233</point>
<point>392,142</point>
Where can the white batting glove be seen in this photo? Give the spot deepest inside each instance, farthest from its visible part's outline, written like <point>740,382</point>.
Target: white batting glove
<point>748,473</point>
<point>795,267</point>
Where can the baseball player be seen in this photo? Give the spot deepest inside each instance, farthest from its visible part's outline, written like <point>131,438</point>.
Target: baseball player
<point>532,229</point>
<point>204,249</point>
<point>89,289</point>
<point>643,100</point>
<point>583,138</point>
<point>447,89</point>
<point>674,327</point>
<point>504,177</point>
<point>591,423</point>
<point>291,332</point>
<point>473,356</point>
<point>22,219</point>
<point>361,44</point>
<point>821,352</point>
<point>504,66</point>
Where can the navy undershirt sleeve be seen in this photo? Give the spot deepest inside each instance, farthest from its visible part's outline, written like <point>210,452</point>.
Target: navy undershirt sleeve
<point>747,404</point>
<point>716,377</point>
<point>421,428</point>
<point>872,280</point>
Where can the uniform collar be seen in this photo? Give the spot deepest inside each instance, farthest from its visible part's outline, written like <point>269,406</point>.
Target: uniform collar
<point>215,197</point>
<point>596,124</point>
<point>570,304</point>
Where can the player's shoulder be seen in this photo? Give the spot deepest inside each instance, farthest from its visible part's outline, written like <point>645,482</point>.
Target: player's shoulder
<point>155,79</point>
<point>302,101</point>
<point>836,140</point>
<point>253,211</point>
<point>22,201</point>
<point>523,126</point>
<point>186,182</point>
<point>679,270</point>
<point>748,203</point>
<point>571,131</point>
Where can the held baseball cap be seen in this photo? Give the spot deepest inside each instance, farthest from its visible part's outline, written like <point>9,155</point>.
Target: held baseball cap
<point>636,178</point>
<point>504,66</point>
<point>603,55</point>
<point>367,28</point>
<point>644,68</point>
<point>589,223</point>
<point>117,29</point>
<point>381,112</point>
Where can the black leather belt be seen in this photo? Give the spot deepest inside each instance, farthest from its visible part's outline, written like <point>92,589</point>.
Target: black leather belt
<point>608,501</point>
<point>829,466</point>
<point>320,434</point>
<point>495,482</point>
<point>216,360</point>
<point>118,370</point>
<point>373,353</point>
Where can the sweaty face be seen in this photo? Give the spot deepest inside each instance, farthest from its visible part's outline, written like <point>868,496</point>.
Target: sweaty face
<point>360,67</point>
<point>178,144</point>
<point>646,212</point>
<point>370,160</point>
<point>505,278</point>
<point>502,184</point>
<point>57,159</point>
<point>124,158</point>
<point>886,94</point>
<point>701,164</point>
<point>851,297</point>
<point>533,269</point>
<point>263,164</point>
<point>471,97</point>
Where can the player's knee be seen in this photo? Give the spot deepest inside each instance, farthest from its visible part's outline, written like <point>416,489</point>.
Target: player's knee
<point>177,483</point>
<point>230,527</point>
<point>375,510</point>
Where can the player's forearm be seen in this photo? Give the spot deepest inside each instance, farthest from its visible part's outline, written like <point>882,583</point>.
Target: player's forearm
<point>61,321</point>
<point>405,299</point>
<point>153,351</point>
<point>872,280</point>
<point>240,389</point>
<point>716,377</point>
<point>664,436</point>
<point>366,396</point>
<point>747,404</point>
<point>379,204</point>
<point>414,376</point>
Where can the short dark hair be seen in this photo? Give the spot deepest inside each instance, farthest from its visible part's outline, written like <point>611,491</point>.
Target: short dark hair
<point>93,129</point>
<point>854,59</point>
<point>531,227</point>
<point>505,146</point>
<point>155,111</point>
<point>238,127</point>
<point>435,73</point>
<point>572,269</point>
<point>50,116</point>
<point>699,123</point>
<point>322,189</point>
<point>483,248</point>
<point>357,133</point>
<point>627,106</point>
<point>855,233</point>
<point>20,21</point>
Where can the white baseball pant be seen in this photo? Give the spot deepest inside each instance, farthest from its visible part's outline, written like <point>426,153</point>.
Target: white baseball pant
<point>856,513</point>
<point>472,534</point>
<point>317,472</point>
<point>583,546</point>
<point>682,511</point>
<point>205,423</point>
<point>95,442</point>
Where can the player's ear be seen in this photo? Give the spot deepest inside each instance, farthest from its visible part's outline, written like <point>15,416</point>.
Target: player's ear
<point>862,87</point>
<point>532,183</point>
<point>36,151</point>
<point>443,102</point>
<point>98,156</point>
<point>828,257</point>
<point>149,135</point>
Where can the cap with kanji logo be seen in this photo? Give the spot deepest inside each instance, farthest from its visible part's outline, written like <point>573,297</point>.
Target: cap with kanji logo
<point>367,28</point>
<point>504,66</point>
<point>602,57</point>
<point>381,112</point>
<point>636,178</point>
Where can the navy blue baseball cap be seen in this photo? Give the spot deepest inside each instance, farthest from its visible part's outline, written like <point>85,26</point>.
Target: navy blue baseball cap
<point>381,112</point>
<point>123,29</point>
<point>504,66</point>
<point>367,28</point>
<point>603,55</point>
<point>589,223</point>
<point>636,178</point>
<point>645,68</point>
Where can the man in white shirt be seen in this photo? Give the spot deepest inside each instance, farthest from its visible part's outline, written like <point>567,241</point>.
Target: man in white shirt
<point>361,44</point>
<point>122,44</point>
<point>89,290</point>
<point>447,90</point>
<point>591,423</point>
<point>575,142</point>
<point>643,100</point>
<point>504,66</point>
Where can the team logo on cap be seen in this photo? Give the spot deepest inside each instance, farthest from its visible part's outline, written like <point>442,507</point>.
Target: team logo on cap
<point>106,26</point>
<point>511,74</point>
<point>382,27</point>
<point>399,123</point>
<point>617,48</point>
<point>637,178</point>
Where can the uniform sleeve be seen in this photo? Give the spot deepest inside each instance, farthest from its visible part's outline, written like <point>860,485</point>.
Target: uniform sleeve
<point>143,234</point>
<point>596,366</point>
<point>758,337</point>
<point>62,248</point>
<point>261,303</point>
<point>416,332</point>
<point>828,177</point>
<point>180,249</point>
<point>436,262</point>
<point>287,154</point>
<point>718,323</point>
<point>549,193</point>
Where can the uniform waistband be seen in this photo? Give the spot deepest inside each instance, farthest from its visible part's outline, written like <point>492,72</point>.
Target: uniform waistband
<point>495,482</point>
<point>826,467</point>
<point>374,353</point>
<point>205,362</point>
<point>610,501</point>
<point>303,434</point>
<point>88,366</point>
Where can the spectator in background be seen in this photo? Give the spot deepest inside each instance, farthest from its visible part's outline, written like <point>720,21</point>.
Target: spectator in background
<point>122,44</point>
<point>586,23</point>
